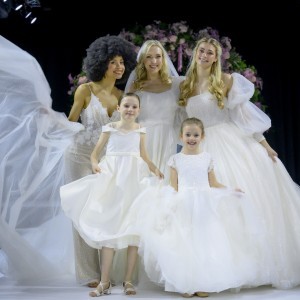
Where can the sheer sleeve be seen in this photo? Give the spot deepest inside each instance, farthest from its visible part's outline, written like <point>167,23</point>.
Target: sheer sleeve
<point>243,112</point>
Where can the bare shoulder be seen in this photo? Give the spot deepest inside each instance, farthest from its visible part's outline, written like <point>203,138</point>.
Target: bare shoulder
<point>228,81</point>
<point>118,93</point>
<point>83,90</point>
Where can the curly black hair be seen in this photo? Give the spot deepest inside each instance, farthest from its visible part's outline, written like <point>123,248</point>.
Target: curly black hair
<point>104,49</point>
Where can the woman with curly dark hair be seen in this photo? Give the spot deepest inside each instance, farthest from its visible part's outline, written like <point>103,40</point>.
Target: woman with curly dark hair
<point>109,61</point>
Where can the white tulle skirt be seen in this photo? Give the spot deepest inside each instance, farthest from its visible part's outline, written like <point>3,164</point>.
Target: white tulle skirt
<point>241,161</point>
<point>200,240</point>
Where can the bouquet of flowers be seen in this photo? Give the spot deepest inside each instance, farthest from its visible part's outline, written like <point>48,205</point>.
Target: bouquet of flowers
<point>179,40</point>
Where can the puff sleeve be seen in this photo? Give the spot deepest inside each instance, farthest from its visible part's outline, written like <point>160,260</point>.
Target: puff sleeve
<point>243,112</point>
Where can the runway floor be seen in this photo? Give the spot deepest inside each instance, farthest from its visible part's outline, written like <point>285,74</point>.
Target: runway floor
<point>72,291</point>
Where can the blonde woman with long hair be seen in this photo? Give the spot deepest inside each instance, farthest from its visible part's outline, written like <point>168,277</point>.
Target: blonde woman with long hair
<point>156,82</point>
<point>234,129</point>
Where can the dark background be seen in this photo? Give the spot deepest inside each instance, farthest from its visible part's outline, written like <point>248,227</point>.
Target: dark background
<point>265,37</point>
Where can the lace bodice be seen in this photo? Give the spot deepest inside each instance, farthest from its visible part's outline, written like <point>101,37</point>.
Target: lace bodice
<point>93,118</point>
<point>192,169</point>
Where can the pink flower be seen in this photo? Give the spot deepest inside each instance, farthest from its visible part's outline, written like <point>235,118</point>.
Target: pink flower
<point>173,38</point>
<point>258,104</point>
<point>188,52</point>
<point>82,79</point>
<point>225,54</point>
<point>71,79</point>
<point>250,75</point>
<point>179,40</point>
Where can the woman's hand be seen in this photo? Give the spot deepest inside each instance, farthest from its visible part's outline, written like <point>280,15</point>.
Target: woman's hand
<point>272,153</point>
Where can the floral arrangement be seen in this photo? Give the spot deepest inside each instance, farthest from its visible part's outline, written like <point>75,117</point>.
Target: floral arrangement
<point>179,40</point>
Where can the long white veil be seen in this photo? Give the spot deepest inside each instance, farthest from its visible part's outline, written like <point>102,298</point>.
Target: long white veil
<point>35,236</point>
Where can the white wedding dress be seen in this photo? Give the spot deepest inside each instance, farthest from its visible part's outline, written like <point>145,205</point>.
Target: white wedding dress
<point>160,114</point>
<point>231,136</point>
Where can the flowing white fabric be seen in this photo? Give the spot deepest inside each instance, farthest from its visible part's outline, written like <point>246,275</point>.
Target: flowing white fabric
<point>243,162</point>
<point>103,200</point>
<point>199,238</point>
<point>36,237</point>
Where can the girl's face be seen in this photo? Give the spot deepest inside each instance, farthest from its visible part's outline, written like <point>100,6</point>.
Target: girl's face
<point>129,108</point>
<point>154,60</point>
<point>116,68</point>
<point>206,55</point>
<point>191,138</point>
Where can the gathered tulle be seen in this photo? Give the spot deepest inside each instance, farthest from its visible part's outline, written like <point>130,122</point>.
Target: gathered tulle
<point>231,136</point>
<point>190,237</point>
<point>273,193</point>
<point>36,237</point>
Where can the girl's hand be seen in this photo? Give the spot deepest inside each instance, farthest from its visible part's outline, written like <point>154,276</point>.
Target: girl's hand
<point>96,168</point>
<point>159,174</point>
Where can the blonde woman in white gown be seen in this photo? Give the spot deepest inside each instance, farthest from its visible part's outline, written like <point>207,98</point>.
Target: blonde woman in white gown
<point>156,82</point>
<point>234,136</point>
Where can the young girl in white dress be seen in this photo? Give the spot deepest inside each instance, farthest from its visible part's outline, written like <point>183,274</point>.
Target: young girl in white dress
<point>198,236</point>
<point>108,63</point>
<point>98,204</point>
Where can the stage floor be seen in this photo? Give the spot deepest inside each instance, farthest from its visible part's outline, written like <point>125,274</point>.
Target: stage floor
<point>75,292</point>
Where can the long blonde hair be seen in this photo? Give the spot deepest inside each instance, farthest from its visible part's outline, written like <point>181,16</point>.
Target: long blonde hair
<point>216,83</point>
<point>140,70</point>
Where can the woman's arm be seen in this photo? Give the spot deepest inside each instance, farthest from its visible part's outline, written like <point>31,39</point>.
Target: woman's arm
<point>145,157</point>
<point>80,99</point>
<point>271,152</point>
<point>228,82</point>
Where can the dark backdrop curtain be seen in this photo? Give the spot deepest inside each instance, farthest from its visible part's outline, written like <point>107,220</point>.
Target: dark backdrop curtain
<point>265,38</point>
